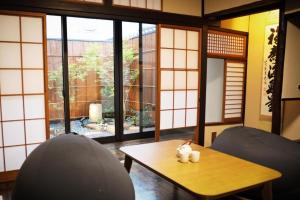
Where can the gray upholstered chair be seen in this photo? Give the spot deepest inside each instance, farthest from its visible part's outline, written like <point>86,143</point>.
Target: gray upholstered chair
<point>71,167</point>
<point>266,149</point>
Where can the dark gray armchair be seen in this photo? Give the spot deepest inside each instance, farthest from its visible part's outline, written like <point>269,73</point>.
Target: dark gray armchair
<point>71,167</point>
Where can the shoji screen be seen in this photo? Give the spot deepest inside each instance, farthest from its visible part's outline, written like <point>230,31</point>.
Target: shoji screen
<point>178,77</point>
<point>22,88</point>
<point>147,4</point>
<point>231,48</point>
<point>234,91</point>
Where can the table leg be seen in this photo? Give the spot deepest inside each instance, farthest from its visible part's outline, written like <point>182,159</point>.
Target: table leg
<point>267,191</point>
<point>127,163</point>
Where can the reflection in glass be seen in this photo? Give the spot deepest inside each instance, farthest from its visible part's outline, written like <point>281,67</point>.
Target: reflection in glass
<point>131,75</point>
<point>55,76</point>
<point>149,76</point>
<point>139,80</point>
<point>91,76</point>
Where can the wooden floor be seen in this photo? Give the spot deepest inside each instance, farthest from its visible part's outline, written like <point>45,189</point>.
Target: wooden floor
<point>147,185</point>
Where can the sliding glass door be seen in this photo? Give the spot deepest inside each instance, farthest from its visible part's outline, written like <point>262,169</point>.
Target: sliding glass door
<point>91,80</point>
<point>55,76</point>
<point>83,80</point>
<point>139,65</point>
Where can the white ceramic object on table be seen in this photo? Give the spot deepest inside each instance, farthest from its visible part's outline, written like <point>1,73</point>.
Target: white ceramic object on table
<point>184,157</point>
<point>195,156</point>
<point>183,149</point>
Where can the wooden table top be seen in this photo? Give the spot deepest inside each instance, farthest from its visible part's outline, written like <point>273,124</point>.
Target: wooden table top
<point>216,174</point>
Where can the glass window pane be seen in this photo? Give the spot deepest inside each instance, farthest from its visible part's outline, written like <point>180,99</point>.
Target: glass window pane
<point>55,76</point>
<point>149,76</point>
<point>91,76</point>
<point>131,77</point>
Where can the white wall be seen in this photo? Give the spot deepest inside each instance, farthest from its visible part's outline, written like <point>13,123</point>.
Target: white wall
<point>214,90</point>
<point>291,74</point>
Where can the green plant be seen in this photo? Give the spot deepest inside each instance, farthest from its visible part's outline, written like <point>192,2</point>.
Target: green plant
<point>92,61</point>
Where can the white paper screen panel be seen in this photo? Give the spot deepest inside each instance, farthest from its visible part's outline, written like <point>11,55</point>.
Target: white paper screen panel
<point>14,157</point>
<point>33,85</point>
<point>32,29</point>
<point>179,99</point>
<point>179,77</point>
<point>10,55</point>
<point>10,82</point>
<point>30,148</point>
<point>138,3</point>
<point>180,59</point>
<point>33,56</point>
<point>22,88</point>
<point>234,90</point>
<point>154,4</point>
<point>1,160</point>
<point>145,4</point>
<point>10,28</point>
<point>180,39</point>
<point>179,119</point>
<point>166,58</point>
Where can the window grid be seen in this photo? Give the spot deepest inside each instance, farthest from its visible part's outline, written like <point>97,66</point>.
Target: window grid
<point>226,44</point>
<point>19,145</point>
<point>234,91</point>
<point>186,71</point>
